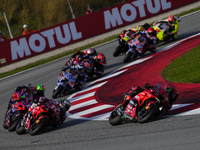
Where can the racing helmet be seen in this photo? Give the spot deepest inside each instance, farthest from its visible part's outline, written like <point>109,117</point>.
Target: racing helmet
<point>91,51</point>
<point>65,104</point>
<point>139,28</point>
<point>16,96</point>
<point>147,85</point>
<point>40,89</point>
<point>25,26</point>
<point>101,58</point>
<point>151,32</point>
<point>171,19</point>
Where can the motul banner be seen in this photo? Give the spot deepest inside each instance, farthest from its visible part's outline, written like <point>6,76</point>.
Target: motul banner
<point>83,27</point>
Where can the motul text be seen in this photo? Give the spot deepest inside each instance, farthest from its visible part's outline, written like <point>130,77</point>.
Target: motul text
<point>116,16</point>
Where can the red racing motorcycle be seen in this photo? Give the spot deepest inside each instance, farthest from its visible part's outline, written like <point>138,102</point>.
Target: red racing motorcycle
<point>15,114</point>
<point>37,120</point>
<point>150,104</point>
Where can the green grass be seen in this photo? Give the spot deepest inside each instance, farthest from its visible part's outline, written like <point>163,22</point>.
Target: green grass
<point>190,11</point>
<point>184,69</point>
<point>72,51</point>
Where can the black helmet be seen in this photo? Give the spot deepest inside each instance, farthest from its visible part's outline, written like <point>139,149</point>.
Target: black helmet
<point>65,104</point>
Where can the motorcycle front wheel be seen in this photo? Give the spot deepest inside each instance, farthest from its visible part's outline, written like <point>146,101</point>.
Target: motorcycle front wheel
<point>115,119</point>
<point>127,57</point>
<point>14,123</point>
<point>148,114</point>
<point>39,127</point>
<point>57,91</point>
<point>117,51</point>
<point>20,130</point>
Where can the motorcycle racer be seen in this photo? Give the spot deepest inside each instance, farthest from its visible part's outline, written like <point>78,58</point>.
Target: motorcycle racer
<point>168,97</point>
<point>82,76</point>
<point>173,22</point>
<point>80,56</point>
<point>22,93</point>
<point>150,35</point>
<point>57,108</point>
<point>38,91</point>
<point>28,94</point>
<point>100,64</point>
<point>18,97</point>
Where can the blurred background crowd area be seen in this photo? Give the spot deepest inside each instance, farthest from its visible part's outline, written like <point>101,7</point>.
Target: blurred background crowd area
<point>39,14</point>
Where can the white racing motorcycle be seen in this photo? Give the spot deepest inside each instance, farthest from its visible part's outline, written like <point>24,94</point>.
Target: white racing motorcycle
<point>65,82</point>
<point>163,30</point>
<point>136,47</point>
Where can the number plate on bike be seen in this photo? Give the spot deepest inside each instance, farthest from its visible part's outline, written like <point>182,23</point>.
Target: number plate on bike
<point>71,79</point>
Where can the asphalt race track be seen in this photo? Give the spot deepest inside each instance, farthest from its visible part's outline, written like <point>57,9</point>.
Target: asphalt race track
<point>164,133</point>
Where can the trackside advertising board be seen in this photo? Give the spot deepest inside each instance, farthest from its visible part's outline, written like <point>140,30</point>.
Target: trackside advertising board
<point>84,27</point>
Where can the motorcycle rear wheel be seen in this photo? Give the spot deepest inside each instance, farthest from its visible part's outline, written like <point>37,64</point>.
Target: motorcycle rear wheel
<point>57,91</point>
<point>15,123</point>
<point>41,125</point>
<point>150,115</point>
<point>117,51</point>
<point>20,131</point>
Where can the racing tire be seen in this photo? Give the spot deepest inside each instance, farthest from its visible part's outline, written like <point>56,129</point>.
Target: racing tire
<point>39,127</point>
<point>20,130</point>
<point>16,122</point>
<point>5,125</point>
<point>57,91</point>
<point>150,115</point>
<point>127,57</point>
<point>115,119</point>
<point>117,51</point>
<point>91,74</point>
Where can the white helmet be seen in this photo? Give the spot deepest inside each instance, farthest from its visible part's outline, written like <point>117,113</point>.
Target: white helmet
<point>25,26</point>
